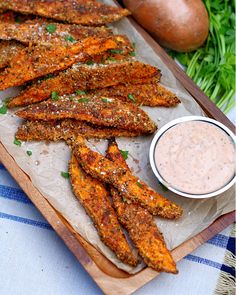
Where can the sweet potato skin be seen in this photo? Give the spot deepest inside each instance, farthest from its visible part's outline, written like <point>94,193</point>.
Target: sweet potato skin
<point>95,199</point>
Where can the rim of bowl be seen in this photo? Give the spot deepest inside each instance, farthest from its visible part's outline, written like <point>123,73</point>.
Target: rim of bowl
<point>168,126</point>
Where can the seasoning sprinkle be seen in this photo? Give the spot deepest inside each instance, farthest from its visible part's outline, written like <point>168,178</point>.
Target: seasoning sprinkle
<point>65,174</point>
<point>51,28</point>
<point>79,92</point>
<point>105,99</point>
<point>54,95</point>
<point>116,51</point>
<point>89,62</point>
<point>124,154</point>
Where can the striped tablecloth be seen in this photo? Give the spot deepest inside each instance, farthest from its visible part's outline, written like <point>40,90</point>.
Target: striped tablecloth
<point>34,260</point>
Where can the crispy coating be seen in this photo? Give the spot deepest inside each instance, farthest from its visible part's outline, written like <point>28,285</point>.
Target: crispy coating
<point>34,62</point>
<point>8,50</point>
<point>37,33</point>
<point>12,17</point>
<point>84,77</point>
<point>99,111</point>
<point>140,224</point>
<point>66,129</point>
<point>94,197</point>
<point>77,12</point>
<point>151,94</point>
<point>129,186</point>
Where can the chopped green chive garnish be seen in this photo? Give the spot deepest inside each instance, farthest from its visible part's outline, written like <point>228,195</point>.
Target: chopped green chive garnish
<point>3,110</point>
<point>116,51</point>
<point>17,19</point>
<point>29,153</point>
<point>124,154</point>
<point>132,53</point>
<point>79,92</point>
<point>70,38</point>
<point>164,188</point>
<point>139,184</point>
<point>111,58</point>
<point>17,142</point>
<point>83,99</point>
<point>65,174</point>
<point>71,98</point>
<point>133,44</point>
<point>51,28</point>
<point>105,99</point>
<point>89,62</point>
<point>54,95</point>
<point>131,97</point>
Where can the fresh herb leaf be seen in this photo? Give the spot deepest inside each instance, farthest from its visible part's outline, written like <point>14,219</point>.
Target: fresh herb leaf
<point>80,92</point>
<point>132,53</point>
<point>124,200</point>
<point>131,97</point>
<point>51,28</point>
<point>139,184</point>
<point>3,110</point>
<point>105,99</point>
<point>83,99</point>
<point>124,154</point>
<point>111,58</point>
<point>65,174</point>
<point>29,153</point>
<point>133,45</point>
<point>90,63</point>
<point>70,38</point>
<point>54,95</point>
<point>17,142</point>
<point>116,51</point>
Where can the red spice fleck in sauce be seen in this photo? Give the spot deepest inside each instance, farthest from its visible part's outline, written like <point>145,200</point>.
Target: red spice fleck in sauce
<point>195,157</point>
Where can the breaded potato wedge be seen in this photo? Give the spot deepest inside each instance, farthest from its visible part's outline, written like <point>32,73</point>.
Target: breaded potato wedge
<point>49,33</point>
<point>84,77</point>
<point>94,197</point>
<point>66,129</point>
<point>98,111</point>
<point>34,62</point>
<point>77,12</point>
<point>8,50</point>
<point>129,186</point>
<point>140,224</point>
<point>151,94</point>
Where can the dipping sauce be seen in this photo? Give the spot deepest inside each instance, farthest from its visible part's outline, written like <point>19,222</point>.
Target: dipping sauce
<point>195,157</point>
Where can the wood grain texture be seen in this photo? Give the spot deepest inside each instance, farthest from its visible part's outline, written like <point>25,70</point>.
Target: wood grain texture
<point>108,277</point>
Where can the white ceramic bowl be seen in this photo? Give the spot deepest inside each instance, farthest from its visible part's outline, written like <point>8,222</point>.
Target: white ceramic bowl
<point>155,168</point>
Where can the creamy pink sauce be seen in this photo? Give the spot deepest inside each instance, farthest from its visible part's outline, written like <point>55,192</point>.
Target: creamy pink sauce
<point>195,157</point>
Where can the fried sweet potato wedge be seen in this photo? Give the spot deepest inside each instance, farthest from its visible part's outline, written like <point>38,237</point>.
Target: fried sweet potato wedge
<point>8,50</point>
<point>94,197</point>
<point>52,33</point>
<point>98,111</point>
<point>66,129</point>
<point>152,94</point>
<point>129,186</point>
<point>85,77</point>
<point>34,62</point>
<point>140,224</point>
<point>77,12</point>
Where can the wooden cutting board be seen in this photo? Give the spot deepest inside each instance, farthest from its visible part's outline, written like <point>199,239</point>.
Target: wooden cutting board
<point>108,277</point>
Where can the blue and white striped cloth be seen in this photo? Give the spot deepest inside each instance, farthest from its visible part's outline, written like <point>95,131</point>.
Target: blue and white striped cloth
<point>33,259</point>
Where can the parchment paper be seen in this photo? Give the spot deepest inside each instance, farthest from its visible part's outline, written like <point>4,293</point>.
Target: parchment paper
<point>49,159</point>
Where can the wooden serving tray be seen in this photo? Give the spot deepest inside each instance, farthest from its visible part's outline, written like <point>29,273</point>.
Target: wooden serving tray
<point>108,277</point>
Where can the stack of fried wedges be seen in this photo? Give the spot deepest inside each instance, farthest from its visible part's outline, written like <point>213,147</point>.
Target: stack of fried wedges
<point>80,81</point>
